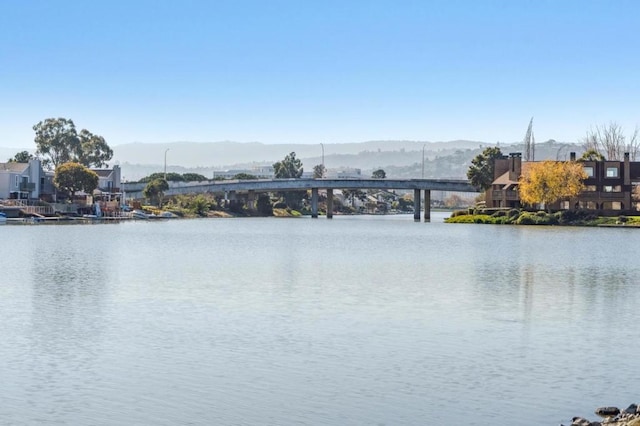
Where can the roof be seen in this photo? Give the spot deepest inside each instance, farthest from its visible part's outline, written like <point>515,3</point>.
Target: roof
<point>14,167</point>
<point>503,179</point>
<point>103,172</point>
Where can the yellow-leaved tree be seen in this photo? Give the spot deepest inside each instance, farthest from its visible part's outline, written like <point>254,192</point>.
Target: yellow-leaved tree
<point>549,181</point>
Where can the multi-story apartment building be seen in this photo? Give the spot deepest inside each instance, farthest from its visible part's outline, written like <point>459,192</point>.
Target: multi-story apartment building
<point>609,187</point>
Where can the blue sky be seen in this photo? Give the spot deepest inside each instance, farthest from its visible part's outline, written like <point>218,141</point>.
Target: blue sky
<point>327,71</point>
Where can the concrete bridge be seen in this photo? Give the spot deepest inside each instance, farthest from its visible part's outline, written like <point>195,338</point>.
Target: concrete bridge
<point>134,190</point>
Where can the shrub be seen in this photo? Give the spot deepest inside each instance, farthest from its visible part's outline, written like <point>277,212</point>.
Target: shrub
<point>199,205</point>
<point>569,217</point>
<point>530,218</point>
<point>526,218</point>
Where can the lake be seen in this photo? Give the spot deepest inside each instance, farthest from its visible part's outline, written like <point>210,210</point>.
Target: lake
<point>355,320</point>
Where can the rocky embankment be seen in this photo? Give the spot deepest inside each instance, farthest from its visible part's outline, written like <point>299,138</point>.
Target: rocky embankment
<point>612,416</point>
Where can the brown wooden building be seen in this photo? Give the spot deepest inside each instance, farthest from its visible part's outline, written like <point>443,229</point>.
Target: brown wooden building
<point>608,187</point>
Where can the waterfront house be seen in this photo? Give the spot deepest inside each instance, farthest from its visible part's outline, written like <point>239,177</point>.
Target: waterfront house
<point>609,186</point>
<point>108,180</point>
<point>21,181</point>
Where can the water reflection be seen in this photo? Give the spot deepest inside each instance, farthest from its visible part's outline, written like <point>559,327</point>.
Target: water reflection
<point>69,286</point>
<point>372,321</point>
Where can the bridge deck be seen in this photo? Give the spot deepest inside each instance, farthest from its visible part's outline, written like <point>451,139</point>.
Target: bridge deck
<point>134,190</point>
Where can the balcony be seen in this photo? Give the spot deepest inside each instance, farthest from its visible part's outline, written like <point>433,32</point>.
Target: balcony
<point>27,186</point>
<point>506,195</point>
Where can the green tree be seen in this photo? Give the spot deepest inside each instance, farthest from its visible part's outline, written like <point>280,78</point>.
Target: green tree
<point>245,176</point>
<point>193,177</point>
<point>72,177</point>
<point>290,167</point>
<point>319,171</point>
<point>480,173</point>
<point>379,174</point>
<point>171,177</point>
<point>56,141</point>
<point>549,181</point>
<point>200,205</point>
<point>154,191</point>
<point>353,194</point>
<point>21,157</point>
<point>591,155</point>
<point>93,150</point>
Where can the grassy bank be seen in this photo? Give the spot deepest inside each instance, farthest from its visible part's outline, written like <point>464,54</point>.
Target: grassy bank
<point>520,217</point>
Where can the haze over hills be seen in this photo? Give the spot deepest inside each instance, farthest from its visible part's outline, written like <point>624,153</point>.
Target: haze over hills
<point>400,159</point>
<point>228,154</point>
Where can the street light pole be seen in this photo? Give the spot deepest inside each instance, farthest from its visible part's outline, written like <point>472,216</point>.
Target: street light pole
<point>423,160</point>
<point>165,163</point>
<point>322,145</point>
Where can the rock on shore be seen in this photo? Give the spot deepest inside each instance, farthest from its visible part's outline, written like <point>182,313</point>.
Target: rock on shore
<point>612,416</point>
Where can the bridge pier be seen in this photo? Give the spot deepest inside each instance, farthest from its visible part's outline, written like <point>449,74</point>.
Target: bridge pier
<point>314,203</point>
<point>427,205</point>
<point>329,203</point>
<point>251,200</point>
<point>416,205</point>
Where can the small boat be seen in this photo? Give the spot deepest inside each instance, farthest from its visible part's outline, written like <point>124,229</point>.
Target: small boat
<point>139,214</point>
<point>3,218</point>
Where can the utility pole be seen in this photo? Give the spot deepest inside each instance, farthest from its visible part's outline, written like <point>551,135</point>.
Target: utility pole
<point>165,163</point>
<point>423,160</point>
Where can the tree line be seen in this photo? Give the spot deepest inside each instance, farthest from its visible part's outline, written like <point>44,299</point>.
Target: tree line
<point>70,153</point>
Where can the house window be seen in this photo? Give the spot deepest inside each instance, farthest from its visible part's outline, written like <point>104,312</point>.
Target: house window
<point>612,172</point>
<point>591,205</point>
<point>616,205</point>
<point>17,181</point>
<point>588,170</point>
<point>612,188</point>
<point>564,205</point>
<point>589,188</point>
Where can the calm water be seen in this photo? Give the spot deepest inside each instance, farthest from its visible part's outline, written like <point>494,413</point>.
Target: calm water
<point>357,320</point>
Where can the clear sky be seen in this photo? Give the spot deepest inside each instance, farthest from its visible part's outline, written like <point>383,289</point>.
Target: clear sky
<point>299,71</point>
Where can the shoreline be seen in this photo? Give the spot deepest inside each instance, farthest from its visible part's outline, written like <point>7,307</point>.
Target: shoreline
<point>612,416</point>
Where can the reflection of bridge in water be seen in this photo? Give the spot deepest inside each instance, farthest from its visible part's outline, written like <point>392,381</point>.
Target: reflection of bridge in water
<point>251,187</point>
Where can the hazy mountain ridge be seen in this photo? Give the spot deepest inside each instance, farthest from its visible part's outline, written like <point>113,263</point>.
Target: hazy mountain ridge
<point>228,154</point>
<point>400,159</point>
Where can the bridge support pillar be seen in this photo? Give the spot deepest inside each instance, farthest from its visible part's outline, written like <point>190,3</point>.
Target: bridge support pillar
<point>251,200</point>
<point>329,203</point>
<point>416,205</point>
<point>427,205</point>
<point>314,203</point>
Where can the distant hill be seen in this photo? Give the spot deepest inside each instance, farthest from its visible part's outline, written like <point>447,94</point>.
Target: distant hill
<point>401,159</point>
<point>226,154</point>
